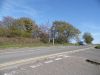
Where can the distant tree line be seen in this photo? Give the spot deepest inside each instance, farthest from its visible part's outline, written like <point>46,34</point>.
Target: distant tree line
<point>61,31</point>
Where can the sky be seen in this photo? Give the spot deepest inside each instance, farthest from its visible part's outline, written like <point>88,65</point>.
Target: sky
<point>83,14</point>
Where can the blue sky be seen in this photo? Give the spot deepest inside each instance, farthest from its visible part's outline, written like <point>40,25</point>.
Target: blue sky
<point>83,14</point>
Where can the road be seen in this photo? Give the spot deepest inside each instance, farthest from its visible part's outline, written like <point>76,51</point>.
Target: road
<point>67,61</point>
<point>18,54</point>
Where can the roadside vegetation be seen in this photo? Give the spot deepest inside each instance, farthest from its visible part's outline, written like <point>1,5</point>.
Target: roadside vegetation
<point>88,38</point>
<point>24,32</point>
<point>97,47</point>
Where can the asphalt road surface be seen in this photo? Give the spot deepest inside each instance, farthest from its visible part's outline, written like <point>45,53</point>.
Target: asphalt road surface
<point>71,62</point>
<point>25,53</point>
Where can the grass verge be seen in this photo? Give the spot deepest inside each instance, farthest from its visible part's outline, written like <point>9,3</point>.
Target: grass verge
<point>19,42</point>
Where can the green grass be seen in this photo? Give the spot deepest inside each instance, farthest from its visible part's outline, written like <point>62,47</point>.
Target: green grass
<point>13,45</point>
<point>70,44</point>
<point>10,45</point>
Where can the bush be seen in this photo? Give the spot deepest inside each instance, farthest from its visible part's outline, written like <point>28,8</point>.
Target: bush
<point>44,38</point>
<point>26,34</point>
<point>61,40</point>
<point>3,32</point>
<point>97,47</point>
<point>14,33</point>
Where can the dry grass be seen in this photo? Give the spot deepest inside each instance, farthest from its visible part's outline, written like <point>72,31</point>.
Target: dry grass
<point>24,42</point>
<point>19,42</point>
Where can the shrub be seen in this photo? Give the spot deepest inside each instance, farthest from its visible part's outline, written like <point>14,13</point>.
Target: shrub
<point>3,32</point>
<point>26,34</point>
<point>44,37</point>
<point>61,40</point>
<point>97,47</point>
<point>14,33</point>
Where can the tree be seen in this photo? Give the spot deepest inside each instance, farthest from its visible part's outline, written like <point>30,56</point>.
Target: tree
<point>65,31</point>
<point>8,21</point>
<point>10,27</point>
<point>88,38</point>
<point>44,33</point>
<point>1,24</point>
<point>23,27</point>
<point>26,24</point>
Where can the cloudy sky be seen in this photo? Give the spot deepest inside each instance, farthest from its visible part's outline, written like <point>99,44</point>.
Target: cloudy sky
<point>83,14</point>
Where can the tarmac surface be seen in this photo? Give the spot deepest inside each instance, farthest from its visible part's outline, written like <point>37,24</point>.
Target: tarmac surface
<point>72,63</point>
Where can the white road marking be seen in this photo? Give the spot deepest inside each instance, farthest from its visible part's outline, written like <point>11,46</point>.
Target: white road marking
<point>34,66</point>
<point>37,65</point>
<point>50,61</point>
<point>11,73</point>
<point>58,59</point>
<point>6,74</point>
<point>66,56</point>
